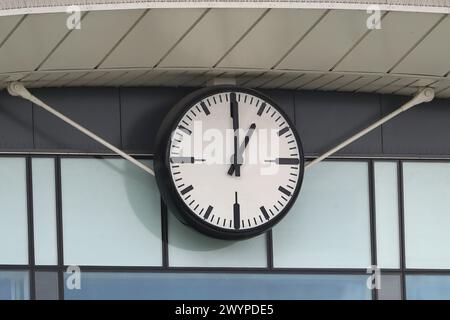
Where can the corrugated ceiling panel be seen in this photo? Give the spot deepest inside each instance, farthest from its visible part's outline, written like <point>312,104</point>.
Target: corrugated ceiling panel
<point>203,77</point>
<point>431,56</point>
<point>426,82</point>
<point>359,83</point>
<point>441,85</point>
<point>340,82</point>
<point>407,91</point>
<point>328,42</point>
<point>86,47</point>
<point>271,38</point>
<point>146,78</point>
<point>152,38</point>
<point>301,81</point>
<point>47,80</point>
<point>263,79</point>
<point>378,84</point>
<point>180,79</point>
<point>87,78</point>
<point>126,78</point>
<point>211,38</point>
<point>32,41</point>
<point>108,78</point>
<point>34,76</point>
<point>17,76</point>
<point>160,78</point>
<point>280,81</point>
<point>381,49</point>
<point>248,76</point>
<point>444,94</point>
<point>320,82</point>
<point>397,85</point>
<point>67,79</point>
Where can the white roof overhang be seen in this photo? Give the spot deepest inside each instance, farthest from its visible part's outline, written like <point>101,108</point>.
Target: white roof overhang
<point>134,43</point>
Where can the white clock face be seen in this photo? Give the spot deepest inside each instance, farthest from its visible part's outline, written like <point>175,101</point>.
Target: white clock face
<point>235,182</point>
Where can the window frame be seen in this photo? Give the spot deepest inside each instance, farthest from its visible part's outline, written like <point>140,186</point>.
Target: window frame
<point>60,268</point>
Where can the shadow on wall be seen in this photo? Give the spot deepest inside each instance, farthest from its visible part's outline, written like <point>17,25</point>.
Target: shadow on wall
<point>143,110</point>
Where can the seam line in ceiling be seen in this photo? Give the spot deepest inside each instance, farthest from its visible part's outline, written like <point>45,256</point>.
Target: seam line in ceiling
<point>417,43</point>
<point>310,29</point>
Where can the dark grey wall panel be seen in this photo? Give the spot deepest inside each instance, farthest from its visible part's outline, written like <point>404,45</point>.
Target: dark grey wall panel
<point>324,119</point>
<point>422,130</point>
<point>130,118</point>
<point>16,123</point>
<point>97,109</point>
<point>143,110</point>
<point>285,99</point>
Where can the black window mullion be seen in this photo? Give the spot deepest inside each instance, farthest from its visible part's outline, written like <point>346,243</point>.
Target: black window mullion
<point>269,243</point>
<point>30,222</point>
<point>164,235</point>
<point>373,234</point>
<point>59,228</point>
<point>401,225</point>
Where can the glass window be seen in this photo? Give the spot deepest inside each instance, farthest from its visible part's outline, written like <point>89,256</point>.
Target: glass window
<point>111,213</point>
<point>14,285</point>
<point>329,226</point>
<point>44,211</point>
<point>386,206</point>
<point>46,283</point>
<point>428,287</point>
<point>218,286</point>
<point>427,218</point>
<point>13,212</point>
<point>189,248</point>
<point>391,287</point>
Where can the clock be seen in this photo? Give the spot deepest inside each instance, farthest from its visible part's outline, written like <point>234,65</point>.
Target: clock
<point>228,162</point>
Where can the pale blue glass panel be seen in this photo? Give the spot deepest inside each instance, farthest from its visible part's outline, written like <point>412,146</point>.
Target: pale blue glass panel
<point>44,211</point>
<point>14,285</point>
<point>111,213</point>
<point>428,287</point>
<point>213,286</point>
<point>386,205</point>
<point>329,225</point>
<point>189,248</point>
<point>13,211</point>
<point>427,214</point>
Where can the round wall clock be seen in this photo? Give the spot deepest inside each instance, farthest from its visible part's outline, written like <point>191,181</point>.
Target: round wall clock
<point>228,162</point>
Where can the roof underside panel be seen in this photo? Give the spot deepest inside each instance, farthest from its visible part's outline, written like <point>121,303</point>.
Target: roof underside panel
<point>55,5</point>
<point>310,49</point>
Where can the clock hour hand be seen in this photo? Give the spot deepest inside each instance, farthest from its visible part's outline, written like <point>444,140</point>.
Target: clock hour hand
<point>236,166</point>
<point>234,112</point>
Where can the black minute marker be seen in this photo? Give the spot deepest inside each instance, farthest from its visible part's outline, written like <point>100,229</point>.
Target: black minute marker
<point>236,212</point>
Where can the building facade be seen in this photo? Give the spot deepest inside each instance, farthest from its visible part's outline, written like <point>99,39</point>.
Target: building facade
<point>78,222</point>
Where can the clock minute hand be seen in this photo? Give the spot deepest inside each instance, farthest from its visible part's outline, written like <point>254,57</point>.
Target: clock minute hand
<point>234,111</point>
<point>236,166</point>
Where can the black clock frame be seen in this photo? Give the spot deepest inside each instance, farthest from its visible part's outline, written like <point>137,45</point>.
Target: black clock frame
<point>167,186</point>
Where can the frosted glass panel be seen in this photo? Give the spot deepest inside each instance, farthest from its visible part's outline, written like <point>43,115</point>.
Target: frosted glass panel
<point>427,214</point>
<point>44,211</point>
<point>189,248</point>
<point>386,205</point>
<point>111,214</point>
<point>328,227</point>
<point>14,285</point>
<point>428,287</point>
<point>13,212</point>
<point>219,286</point>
